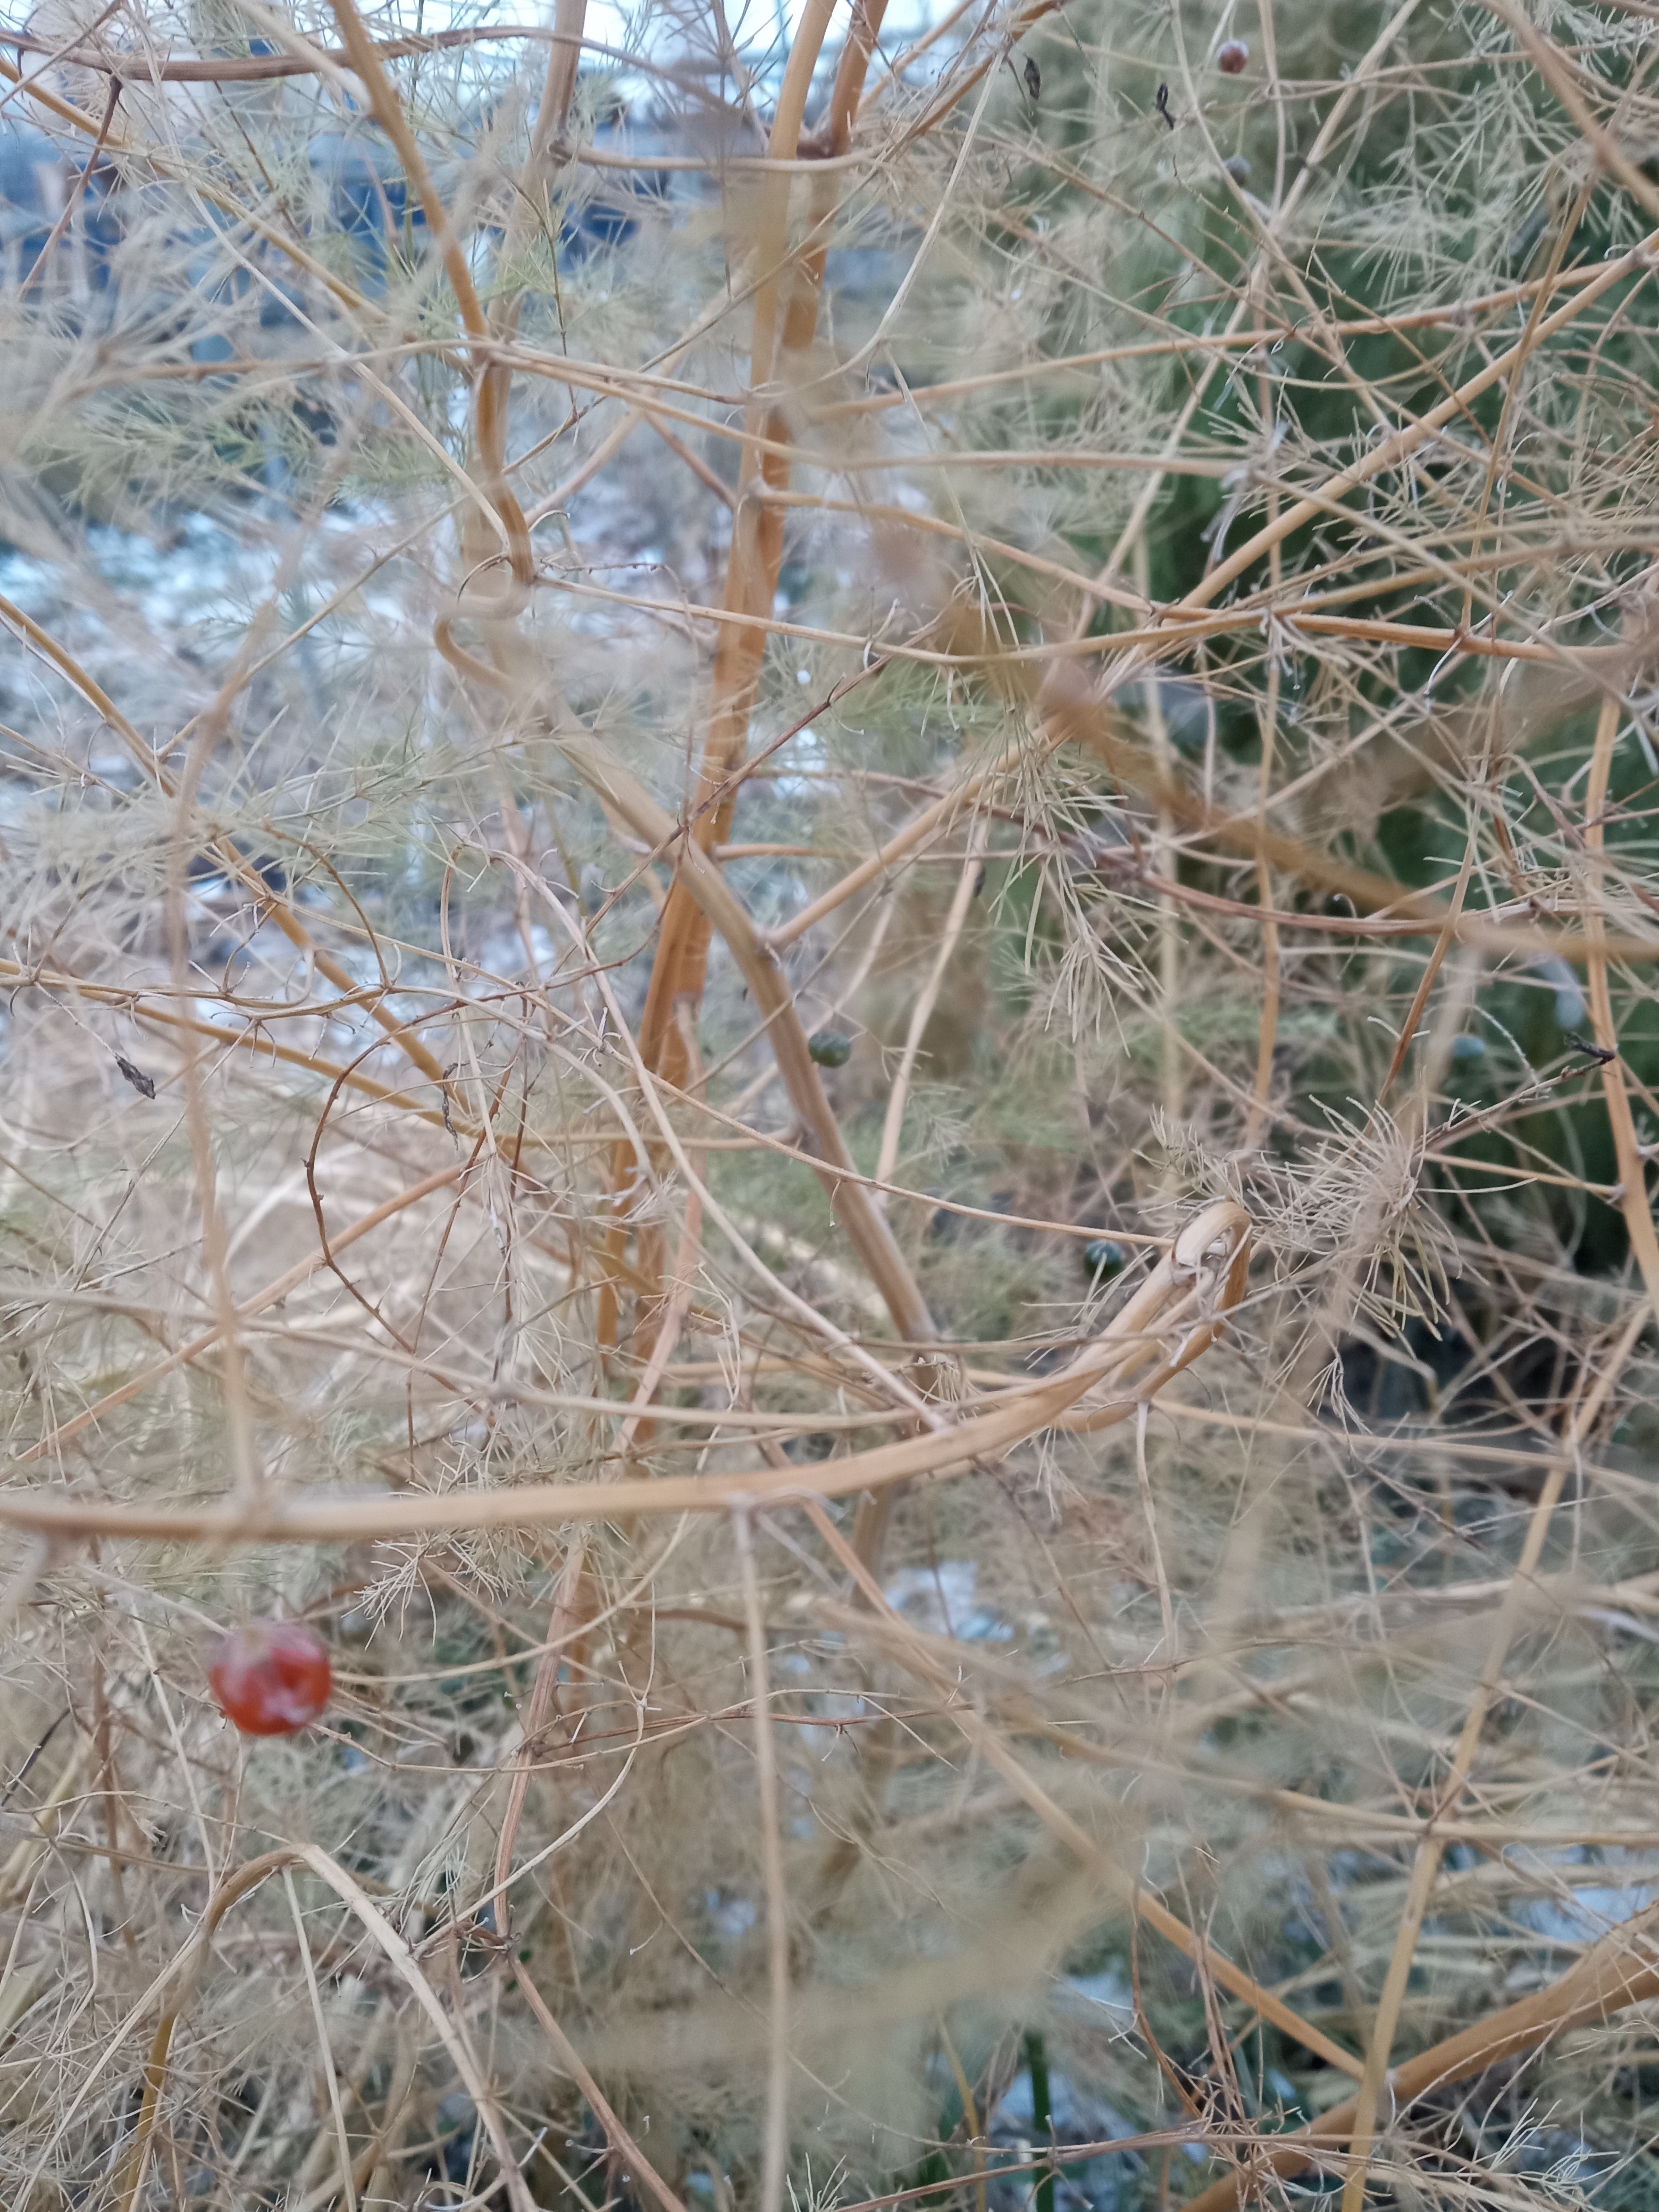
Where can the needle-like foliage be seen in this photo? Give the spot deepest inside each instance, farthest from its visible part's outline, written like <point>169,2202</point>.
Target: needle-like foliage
<point>829,984</point>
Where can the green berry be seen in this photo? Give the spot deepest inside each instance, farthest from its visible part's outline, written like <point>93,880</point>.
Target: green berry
<point>830,1047</point>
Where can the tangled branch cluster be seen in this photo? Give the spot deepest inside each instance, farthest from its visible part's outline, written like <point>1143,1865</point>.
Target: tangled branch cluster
<point>829,984</point>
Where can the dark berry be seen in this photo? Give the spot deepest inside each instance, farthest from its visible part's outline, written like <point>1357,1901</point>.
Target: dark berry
<point>1104,1257</point>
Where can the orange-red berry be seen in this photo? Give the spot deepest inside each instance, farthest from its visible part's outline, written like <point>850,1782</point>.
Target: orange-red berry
<point>1232,55</point>
<point>271,1677</point>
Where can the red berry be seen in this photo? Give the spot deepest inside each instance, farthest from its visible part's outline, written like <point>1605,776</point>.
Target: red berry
<point>271,1677</point>
<point>1232,55</point>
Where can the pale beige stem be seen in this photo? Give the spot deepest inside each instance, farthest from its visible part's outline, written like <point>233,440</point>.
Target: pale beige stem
<point>1171,1071</point>
<point>348,2188</point>
<point>1268,1040</point>
<point>1169,1645</point>
<point>571,2061</point>
<point>862,1218</point>
<point>922,1012</point>
<point>777,2139</point>
<point>543,1694</point>
<point>1632,1169</point>
<point>1170,1323</point>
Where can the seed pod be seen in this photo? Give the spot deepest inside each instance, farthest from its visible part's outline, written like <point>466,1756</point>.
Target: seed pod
<point>830,1047</point>
<point>1230,57</point>
<point>271,1677</point>
<point>1104,1257</point>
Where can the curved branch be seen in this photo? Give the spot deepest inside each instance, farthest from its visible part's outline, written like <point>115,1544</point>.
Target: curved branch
<point>1172,1321</point>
